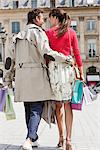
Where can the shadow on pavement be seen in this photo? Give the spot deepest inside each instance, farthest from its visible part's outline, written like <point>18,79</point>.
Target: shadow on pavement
<point>46,148</point>
<point>9,147</point>
<point>18,147</point>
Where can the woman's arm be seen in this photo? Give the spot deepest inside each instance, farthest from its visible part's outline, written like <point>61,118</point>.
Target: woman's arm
<point>81,73</point>
<point>77,55</point>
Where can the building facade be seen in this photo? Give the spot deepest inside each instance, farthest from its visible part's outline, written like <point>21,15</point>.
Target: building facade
<point>85,15</point>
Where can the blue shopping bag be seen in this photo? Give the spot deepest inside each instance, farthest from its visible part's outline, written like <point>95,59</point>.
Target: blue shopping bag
<point>77,95</point>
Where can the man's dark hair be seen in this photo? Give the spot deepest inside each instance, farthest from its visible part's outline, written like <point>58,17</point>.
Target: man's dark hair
<point>31,16</point>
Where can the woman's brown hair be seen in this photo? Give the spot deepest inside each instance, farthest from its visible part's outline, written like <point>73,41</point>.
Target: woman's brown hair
<point>64,20</point>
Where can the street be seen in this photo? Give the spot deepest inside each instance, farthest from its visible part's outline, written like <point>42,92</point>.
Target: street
<point>85,135</point>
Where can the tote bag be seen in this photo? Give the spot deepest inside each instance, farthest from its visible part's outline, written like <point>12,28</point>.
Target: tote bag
<point>77,95</point>
<point>3,92</point>
<point>62,77</point>
<point>8,109</point>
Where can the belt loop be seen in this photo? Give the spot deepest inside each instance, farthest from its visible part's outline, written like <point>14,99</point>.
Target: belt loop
<point>20,65</point>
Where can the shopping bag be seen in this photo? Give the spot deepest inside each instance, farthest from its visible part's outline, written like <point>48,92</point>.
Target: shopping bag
<point>93,94</point>
<point>77,73</point>
<point>88,95</point>
<point>77,95</point>
<point>3,92</point>
<point>8,109</point>
<point>96,88</point>
<point>77,106</point>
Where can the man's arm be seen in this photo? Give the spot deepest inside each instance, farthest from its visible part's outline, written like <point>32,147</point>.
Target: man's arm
<point>9,67</point>
<point>42,44</point>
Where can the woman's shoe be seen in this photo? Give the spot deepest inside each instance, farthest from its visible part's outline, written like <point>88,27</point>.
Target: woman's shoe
<point>60,144</point>
<point>68,145</point>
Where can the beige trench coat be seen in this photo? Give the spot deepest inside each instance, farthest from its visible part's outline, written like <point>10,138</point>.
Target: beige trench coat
<point>31,80</point>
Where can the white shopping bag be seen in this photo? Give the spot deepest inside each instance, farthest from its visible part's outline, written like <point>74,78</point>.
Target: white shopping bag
<point>88,95</point>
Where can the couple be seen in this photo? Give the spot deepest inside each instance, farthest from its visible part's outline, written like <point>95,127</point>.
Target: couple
<point>29,56</point>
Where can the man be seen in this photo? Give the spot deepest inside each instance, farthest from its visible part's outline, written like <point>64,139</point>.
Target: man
<point>31,81</point>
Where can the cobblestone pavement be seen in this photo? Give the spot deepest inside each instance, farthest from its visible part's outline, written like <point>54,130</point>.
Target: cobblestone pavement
<point>85,136</point>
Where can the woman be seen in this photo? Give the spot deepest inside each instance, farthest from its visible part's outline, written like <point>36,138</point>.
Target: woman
<point>62,39</point>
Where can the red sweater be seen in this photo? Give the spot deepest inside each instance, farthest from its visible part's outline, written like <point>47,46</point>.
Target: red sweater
<point>65,43</point>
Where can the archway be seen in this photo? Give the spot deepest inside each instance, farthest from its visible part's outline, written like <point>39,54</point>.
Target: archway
<point>92,75</point>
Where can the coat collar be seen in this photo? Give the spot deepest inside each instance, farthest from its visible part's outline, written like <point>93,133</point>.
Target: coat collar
<point>33,26</point>
<point>22,34</point>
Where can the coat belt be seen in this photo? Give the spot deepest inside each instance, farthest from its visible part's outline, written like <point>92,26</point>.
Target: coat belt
<point>30,65</point>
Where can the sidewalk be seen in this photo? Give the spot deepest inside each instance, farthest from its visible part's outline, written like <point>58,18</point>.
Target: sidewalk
<point>86,130</point>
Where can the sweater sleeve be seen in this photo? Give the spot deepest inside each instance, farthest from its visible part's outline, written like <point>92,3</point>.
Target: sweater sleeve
<point>48,35</point>
<point>75,47</point>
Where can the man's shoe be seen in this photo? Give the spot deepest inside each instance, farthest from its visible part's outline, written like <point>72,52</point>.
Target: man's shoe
<point>35,144</point>
<point>27,145</point>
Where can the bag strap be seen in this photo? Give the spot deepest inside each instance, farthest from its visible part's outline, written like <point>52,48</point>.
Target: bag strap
<point>70,42</point>
<point>75,67</point>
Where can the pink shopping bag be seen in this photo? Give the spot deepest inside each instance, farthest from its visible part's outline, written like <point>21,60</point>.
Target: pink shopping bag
<point>77,106</point>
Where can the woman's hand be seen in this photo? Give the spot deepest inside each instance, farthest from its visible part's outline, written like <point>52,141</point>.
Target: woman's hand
<point>82,77</point>
<point>81,73</point>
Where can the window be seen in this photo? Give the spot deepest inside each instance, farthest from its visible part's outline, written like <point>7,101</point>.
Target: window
<point>72,3</point>
<point>15,27</point>
<point>92,48</point>
<point>43,3</point>
<point>81,2</point>
<point>33,3</point>
<point>74,25</point>
<point>15,4</point>
<point>92,69</point>
<point>61,2</point>
<point>25,3</point>
<point>89,2</point>
<point>5,3</point>
<point>52,3</point>
<point>98,2</point>
<point>91,25</point>
<point>0,52</point>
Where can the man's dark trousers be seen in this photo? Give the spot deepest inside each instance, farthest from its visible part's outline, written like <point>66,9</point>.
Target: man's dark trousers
<point>33,112</point>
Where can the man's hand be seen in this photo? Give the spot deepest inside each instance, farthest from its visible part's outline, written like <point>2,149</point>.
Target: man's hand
<point>1,85</point>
